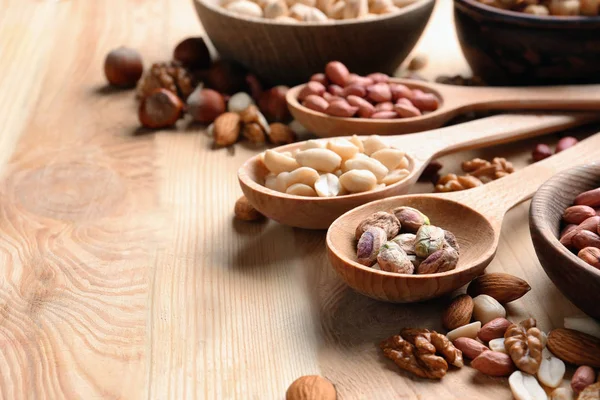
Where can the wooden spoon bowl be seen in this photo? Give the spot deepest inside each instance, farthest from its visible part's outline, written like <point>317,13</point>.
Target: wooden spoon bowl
<point>577,280</point>
<point>474,216</point>
<point>454,100</point>
<point>319,213</point>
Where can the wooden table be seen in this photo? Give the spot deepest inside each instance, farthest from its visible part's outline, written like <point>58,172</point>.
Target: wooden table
<point>123,274</point>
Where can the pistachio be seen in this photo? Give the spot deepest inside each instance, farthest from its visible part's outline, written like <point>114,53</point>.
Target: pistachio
<point>410,218</point>
<point>442,260</point>
<point>429,239</point>
<point>388,222</point>
<point>416,261</point>
<point>369,244</point>
<point>392,258</point>
<point>450,240</point>
<point>406,241</point>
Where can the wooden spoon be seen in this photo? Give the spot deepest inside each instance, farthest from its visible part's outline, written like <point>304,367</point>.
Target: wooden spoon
<point>455,100</point>
<point>319,212</point>
<point>474,216</point>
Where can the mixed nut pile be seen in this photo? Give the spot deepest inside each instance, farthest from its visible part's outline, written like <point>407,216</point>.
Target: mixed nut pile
<point>298,11</point>
<point>208,91</point>
<point>560,8</point>
<point>335,167</point>
<point>339,93</point>
<point>582,227</point>
<point>404,242</point>
<point>499,347</point>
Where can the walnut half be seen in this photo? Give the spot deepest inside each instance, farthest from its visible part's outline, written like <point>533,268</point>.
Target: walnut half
<point>524,344</point>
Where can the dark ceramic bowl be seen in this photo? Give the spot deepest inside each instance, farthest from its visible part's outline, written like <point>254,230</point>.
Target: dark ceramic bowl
<point>509,47</point>
<point>577,280</point>
<point>283,53</point>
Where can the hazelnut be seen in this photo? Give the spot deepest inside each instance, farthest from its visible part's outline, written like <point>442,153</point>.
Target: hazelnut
<point>311,387</point>
<point>160,109</point>
<point>245,211</point>
<point>226,77</point>
<point>193,53</point>
<point>205,105</point>
<point>418,62</point>
<point>123,67</point>
<point>273,105</point>
<point>540,152</point>
<point>254,133</point>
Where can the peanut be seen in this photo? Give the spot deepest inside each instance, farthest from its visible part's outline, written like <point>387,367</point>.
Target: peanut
<point>374,143</point>
<point>551,371</point>
<point>335,90</point>
<point>469,330</point>
<point>341,108</point>
<point>379,92</point>
<point>590,198</point>
<point>471,348</point>
<point>406,109</point>
<point>300,189</point>
<point>497,345</point>
<point>400,91</point>
<point>356,181</point>
<point>277,162</point>
<point>365,109</point>
<point>385,106</point>
<point>424,101</point>
<point>526,387</point>
<point>582,378</point>
<point>305,175</point>
<point>578,214</point>
<point>311,88</point>
<point>337,73</point>
<point>493,363</point>
<point>354,90</point>
<point>343,147</point>
<point>379,77</point>
<point>395,176</point>
<point>494,329</point>
<point>370,164</point>
<point>583,239</point>
<point>328,185</point>
<point>390,158</point>
<point>384,115</point>
<point>320,159</point>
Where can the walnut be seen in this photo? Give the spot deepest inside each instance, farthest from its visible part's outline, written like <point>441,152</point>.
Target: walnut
<point>478,171</point>
<point>403,354</point>
<point>433,342</point>
<point>416,351</point>
<point>524,344</point>
<point>171,76</point>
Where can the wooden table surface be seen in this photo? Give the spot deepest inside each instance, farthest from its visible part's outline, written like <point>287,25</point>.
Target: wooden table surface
<point>123,274</point>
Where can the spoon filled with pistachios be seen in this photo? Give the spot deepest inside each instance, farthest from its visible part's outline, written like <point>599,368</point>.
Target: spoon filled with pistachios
<point>455,234</point>
<point>339,103</point>
<point>309,184</point>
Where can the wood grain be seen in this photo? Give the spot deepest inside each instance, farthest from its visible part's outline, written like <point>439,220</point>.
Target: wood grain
<point>123,275</point>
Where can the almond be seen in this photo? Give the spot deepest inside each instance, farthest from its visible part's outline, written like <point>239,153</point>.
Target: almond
<point>470,348</point>
<point>458,312</point>
<point>494,329</point>
<point>502,287</point>
<point>493,363</point>
<point>226,129</point>
<point>311,387</point>
<point>575,347</point>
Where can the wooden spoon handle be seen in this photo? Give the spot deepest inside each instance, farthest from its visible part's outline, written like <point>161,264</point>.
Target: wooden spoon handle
<point>496,198</point>
<point>581,97</point>
<point>485,132</point>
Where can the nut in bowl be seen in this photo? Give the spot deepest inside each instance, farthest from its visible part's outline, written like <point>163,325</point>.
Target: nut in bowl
<point>577,277</point>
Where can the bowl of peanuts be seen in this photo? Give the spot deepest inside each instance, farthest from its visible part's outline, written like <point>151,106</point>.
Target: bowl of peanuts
<point>530,42</point>
<point>564,222</point>
<point>287,41</point>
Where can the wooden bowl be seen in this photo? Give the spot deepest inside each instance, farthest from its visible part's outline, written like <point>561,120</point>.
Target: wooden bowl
<point>576,279</point>
<point>509,47</point>
<point>282,53</point>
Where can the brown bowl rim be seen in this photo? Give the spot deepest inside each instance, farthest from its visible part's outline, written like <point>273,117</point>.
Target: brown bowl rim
<point>540,224</point>
<point>516,17</point>
<point>402,11</point>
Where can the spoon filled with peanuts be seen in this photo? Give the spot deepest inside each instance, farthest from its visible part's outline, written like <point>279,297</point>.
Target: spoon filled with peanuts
<point>338,102</point>
<point>420,246</point>
<point>309,184</point>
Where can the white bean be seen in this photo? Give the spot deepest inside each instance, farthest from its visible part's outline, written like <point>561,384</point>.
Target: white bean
<point>391,158</point>
<point>239,102</point>
<point>300,189</point>
<point>377,168</point>
<point>395,176</point>
<point>277,162</point>
<point>374,143</point>
<point>343,147</point>
<point>358,180</point>
<point>320,159</point>
<point>313,144</point>
<point>328,185</point>
<point>305,175</point>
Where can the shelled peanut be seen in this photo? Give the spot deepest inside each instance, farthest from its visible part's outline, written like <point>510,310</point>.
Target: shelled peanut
<point>335,167</point>
<point>339,93</point>
<point>298,11</point>
<point>542,150</point>
<point>403,241</point>
<point>581,231</point>
<point>477,172</point>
